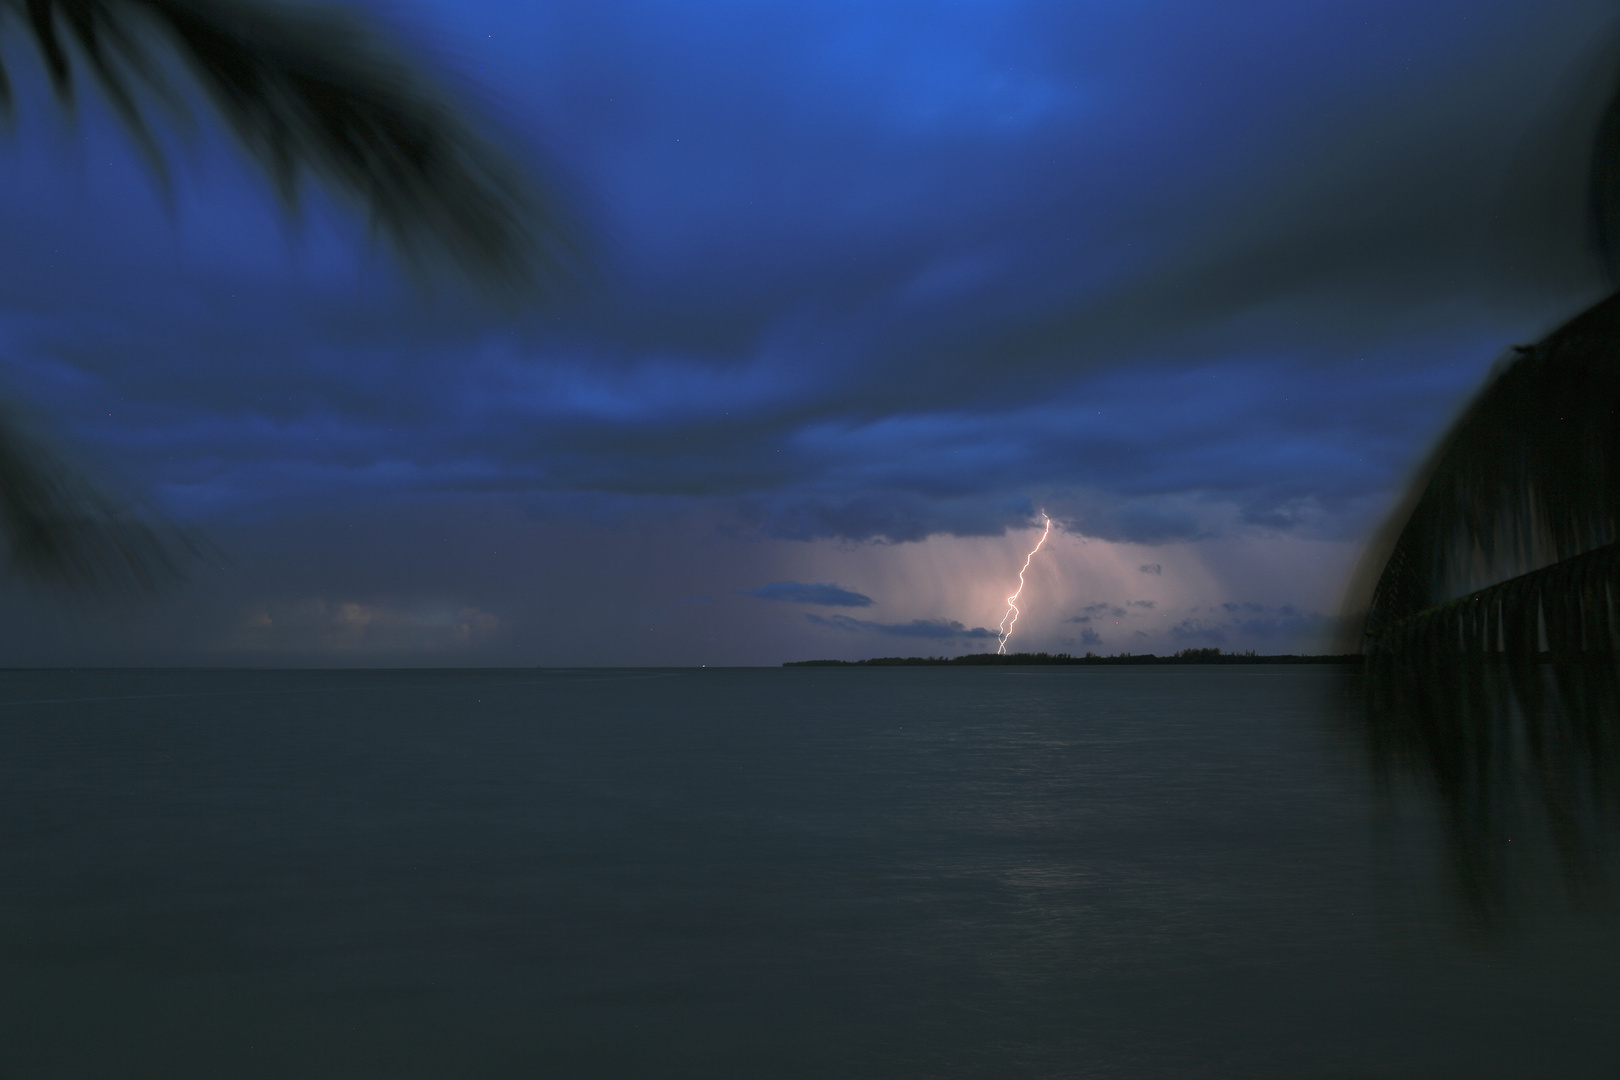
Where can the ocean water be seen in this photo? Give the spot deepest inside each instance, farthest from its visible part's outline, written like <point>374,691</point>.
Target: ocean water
<point>1157,872</point>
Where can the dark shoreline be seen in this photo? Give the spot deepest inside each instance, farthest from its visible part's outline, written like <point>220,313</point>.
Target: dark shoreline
<point>1186,656</point>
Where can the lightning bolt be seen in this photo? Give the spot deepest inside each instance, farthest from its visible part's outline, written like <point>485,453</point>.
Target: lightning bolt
<point>1005,628</point>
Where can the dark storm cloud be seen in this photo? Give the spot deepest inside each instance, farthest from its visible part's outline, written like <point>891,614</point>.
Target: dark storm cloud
<point>794,592</point>
<point>932,629</point>
<point>892,515</point>
<point>1164,272</point>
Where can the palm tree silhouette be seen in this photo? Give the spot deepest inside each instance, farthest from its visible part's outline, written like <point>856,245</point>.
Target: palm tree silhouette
<point>316,92</point>
<point>1508,538</point>
<point>1503,555</point>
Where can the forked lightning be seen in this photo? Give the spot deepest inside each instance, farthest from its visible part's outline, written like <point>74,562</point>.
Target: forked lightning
<point>1005,628</point>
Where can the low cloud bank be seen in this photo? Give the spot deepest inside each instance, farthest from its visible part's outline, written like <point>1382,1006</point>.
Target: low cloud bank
<point>823,594</point>
<point>930,629</point>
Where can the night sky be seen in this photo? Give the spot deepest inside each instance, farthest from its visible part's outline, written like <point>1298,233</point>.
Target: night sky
<point>876,285</point>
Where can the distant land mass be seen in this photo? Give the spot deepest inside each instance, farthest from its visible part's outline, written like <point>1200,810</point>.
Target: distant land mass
<point>1185,656</point>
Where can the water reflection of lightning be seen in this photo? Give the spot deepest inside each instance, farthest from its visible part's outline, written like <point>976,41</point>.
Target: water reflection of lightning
<point>1005,628</point>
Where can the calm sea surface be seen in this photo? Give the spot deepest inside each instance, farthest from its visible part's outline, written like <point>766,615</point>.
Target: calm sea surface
<point>1170,872</point>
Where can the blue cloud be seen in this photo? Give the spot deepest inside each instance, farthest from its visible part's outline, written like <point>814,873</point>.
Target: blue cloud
<point>796,592</point>
<point>820,371</point>
<point>875,274</point>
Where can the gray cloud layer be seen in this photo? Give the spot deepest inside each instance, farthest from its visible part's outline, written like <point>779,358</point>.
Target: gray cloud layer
<point>930,629</point>
<point>795,592</point>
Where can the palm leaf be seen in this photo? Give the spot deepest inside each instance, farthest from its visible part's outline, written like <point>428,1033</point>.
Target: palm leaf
<point>1516,756</point>
<point>1603,187</point>
<point>320,92</point>
<point>1527,476</point>
<point>67,532</point>
<point>305,92</point>
<point>1530,472</point>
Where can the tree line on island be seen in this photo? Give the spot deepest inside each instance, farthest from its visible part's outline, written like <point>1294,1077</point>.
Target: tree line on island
<point>1185,656</point>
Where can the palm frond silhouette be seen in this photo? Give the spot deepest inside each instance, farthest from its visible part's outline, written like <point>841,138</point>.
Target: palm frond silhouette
<point>1508,538</point>
<point>308,92</point>
<point>1489,606</point>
